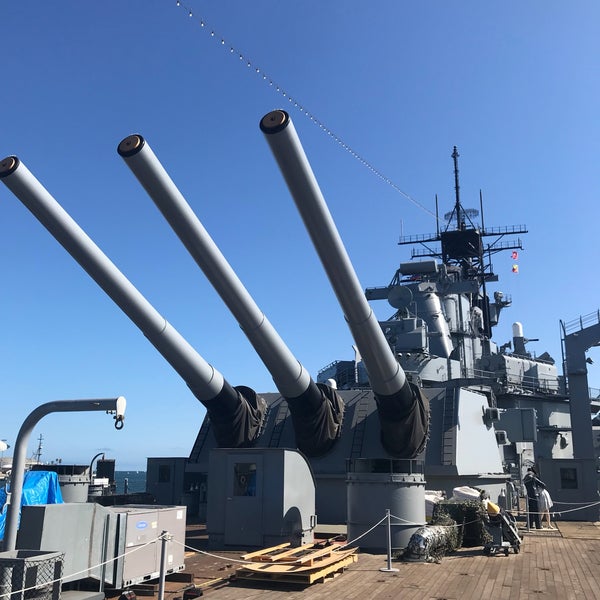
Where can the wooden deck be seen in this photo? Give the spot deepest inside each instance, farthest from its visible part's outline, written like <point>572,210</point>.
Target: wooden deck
<point>562,564</point>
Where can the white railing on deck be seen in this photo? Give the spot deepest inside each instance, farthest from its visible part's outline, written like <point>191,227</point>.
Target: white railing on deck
<point>582,322</point>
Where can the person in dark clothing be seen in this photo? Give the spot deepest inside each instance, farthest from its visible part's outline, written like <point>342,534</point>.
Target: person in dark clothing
<point>534,487</point>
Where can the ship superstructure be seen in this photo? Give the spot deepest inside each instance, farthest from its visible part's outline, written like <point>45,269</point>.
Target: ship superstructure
<point>428,399</point>
<point>441,332</point>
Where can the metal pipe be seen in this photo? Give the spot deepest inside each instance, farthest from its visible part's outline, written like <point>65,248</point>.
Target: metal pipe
<point>397,399</point>
<point>100,454</point>
<point>385,373</point>
<point>290,377</point>
<point>20,456</point>
<point>223,402</point>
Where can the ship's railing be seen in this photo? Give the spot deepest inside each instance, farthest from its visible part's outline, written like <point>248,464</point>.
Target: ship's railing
<point>416,253</point>
<point>581,322</point>
<point>471,373</point>
<point>329,366</point>
<point>505,245</point>
<point>347,378</point>
<point>418,238</point>
<point>526,382</point>
<point>534,384</point>
<point>432,237</point>
<point>542,360</point>
<point>384,465</point>
<point>506,229</point>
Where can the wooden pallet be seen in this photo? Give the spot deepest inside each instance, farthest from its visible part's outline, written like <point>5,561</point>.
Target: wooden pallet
<point>305,564</point>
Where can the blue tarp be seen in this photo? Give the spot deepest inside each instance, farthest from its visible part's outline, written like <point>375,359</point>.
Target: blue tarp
<point>39,487</point>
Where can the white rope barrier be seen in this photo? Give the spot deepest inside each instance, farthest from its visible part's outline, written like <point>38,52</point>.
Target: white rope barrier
<point>229,559</point>
<point>449,526</point>
<point>241,561</point>
<point>362,535</point>
<point>560,512</point>
<point>574,503</point>
<point>226,558</point>
<point>405,522</point>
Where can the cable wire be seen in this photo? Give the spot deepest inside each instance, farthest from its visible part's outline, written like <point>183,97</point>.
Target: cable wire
<point>244,60</point>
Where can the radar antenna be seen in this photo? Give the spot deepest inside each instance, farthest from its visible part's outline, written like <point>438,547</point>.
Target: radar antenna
<point>463,247</point>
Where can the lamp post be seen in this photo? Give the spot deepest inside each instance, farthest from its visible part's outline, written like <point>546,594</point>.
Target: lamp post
<point>114,406</point>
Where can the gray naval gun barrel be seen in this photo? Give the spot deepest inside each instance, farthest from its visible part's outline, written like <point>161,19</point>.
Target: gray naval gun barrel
<point>403,409</point>
<point>316,409</point>
<point>236,413</point>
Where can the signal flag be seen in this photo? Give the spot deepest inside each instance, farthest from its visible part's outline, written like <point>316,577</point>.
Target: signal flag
<point>515,268</point>
<point>515,255</point>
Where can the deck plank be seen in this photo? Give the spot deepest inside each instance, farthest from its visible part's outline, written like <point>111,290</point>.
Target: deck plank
<point>560,564</point>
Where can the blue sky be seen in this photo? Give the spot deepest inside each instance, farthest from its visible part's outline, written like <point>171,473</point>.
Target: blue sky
<point>514,85</point>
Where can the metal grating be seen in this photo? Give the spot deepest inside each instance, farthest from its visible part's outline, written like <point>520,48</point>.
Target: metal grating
<point>30,575</point>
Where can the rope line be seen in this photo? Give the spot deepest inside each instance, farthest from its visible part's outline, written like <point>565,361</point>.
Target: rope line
<point>407,522</point>
<point>572,503</point>
<point>560,512</point>
<point>362,535</point>
<point>243,59</point>
<point>227,558</point>
<point>426,524</point>
<point>241,561</point>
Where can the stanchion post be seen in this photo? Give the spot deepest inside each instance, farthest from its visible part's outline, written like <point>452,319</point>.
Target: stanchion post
<point>389,568</point>
<point>165,538</point>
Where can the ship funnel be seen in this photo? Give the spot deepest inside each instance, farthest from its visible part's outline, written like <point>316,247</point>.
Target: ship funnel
<point>403,409</point>
<point>236,413</point>
<point>316,409</point>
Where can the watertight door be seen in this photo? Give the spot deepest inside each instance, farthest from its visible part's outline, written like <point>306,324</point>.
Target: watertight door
<point>244,500</point>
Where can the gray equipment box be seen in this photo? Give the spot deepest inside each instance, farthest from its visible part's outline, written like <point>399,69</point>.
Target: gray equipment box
<point>89,534</point>
<point>76,529</point>
<point>139,525</point>
<point>22,570</point>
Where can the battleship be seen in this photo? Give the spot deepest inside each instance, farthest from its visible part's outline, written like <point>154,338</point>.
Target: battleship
<point>429,400</point>
<point>494,409</point>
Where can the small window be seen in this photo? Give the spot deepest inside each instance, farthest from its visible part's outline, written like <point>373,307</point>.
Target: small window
<point>568,478</point>
<point>164,473</point>
<point>244,479</point>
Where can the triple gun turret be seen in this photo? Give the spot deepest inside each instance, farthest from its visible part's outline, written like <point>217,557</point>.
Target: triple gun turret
<point>237,413</point>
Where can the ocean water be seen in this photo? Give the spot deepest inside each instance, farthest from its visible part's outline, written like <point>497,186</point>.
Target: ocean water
<point>136,481</point>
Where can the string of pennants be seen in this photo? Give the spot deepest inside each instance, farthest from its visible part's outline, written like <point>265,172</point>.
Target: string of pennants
<point>515,257</point>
